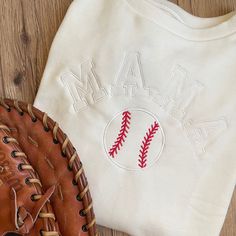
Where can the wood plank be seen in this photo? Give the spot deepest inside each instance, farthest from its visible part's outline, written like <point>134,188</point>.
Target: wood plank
<point>27,29</point>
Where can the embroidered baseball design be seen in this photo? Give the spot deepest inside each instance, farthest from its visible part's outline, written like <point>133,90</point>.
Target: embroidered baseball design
<point>143,152</point>
<point>134,139</point>
<point>126,116</point>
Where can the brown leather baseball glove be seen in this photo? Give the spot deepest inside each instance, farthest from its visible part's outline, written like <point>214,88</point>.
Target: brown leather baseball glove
<point>43,188</point>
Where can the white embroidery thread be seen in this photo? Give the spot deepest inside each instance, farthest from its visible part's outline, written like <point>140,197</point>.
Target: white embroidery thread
<point>130,81</point>
<point>203,133</point>
<point>178,93</point>
<point>85,88</point>
<point>134,139</point>
<point>175,99</point>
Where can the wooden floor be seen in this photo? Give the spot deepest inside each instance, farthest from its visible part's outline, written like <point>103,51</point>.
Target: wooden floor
<point>27,28</point>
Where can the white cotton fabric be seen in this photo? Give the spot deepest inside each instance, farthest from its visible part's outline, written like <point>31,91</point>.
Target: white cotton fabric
<point>147,94</point>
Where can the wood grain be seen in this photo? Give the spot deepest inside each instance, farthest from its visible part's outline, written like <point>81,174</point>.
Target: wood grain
<point>27,28</point>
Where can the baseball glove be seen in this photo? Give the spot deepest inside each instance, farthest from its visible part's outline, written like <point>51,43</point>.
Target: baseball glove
<point>43,188</point>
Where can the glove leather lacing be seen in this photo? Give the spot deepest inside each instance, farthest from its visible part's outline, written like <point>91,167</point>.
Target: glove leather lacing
<point>72,165</point>
<point>23,219</point>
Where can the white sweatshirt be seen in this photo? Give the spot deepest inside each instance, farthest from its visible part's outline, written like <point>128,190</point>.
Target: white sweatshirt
<point>147,94</point>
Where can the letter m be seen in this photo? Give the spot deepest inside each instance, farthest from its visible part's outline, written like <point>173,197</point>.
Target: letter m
<point>83,88</point>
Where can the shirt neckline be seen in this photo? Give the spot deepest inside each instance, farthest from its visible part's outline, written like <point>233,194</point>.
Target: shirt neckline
<point>178,21</point>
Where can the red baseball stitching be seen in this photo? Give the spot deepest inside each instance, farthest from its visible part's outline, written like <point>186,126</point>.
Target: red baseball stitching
<point>126,116</point>
<point>143,152</point>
